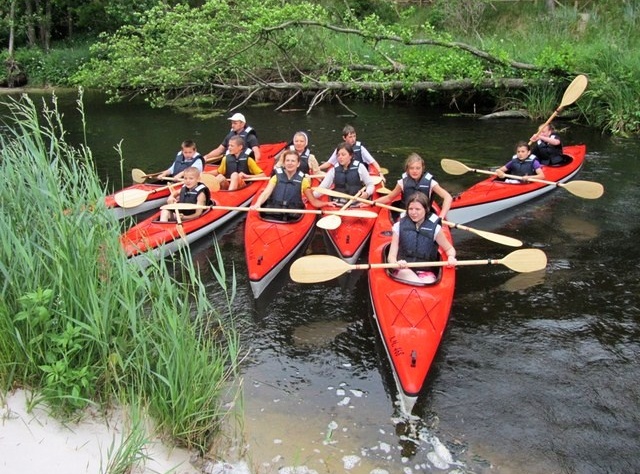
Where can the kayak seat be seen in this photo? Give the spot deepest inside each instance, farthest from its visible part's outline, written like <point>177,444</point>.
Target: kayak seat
<point>391,272</point>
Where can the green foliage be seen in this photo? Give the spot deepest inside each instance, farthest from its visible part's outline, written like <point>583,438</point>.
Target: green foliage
<point>78,323</point>
<point>55,67</point>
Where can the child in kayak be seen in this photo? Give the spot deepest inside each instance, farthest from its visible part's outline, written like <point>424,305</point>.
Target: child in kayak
<point>547,146</point>
<point>187,157</point>
<point>191,192</point>
<point>287,187</point>
<point>359,151</point>
<point>237,165</point>
<point>417,179</point>
<point>416,238</point>
<point>523,163</point>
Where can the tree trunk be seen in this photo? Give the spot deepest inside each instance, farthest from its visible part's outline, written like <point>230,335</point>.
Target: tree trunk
<point>12,27</point>
<point>29,18</point>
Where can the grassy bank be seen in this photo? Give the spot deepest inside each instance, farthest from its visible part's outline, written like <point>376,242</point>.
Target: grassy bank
<point>79,325</point>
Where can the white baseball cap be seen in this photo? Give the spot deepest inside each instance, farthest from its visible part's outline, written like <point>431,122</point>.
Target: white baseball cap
<point>237,117</point>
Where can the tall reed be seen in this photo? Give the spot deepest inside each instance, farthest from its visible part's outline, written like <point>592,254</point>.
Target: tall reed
<point>78,324</point>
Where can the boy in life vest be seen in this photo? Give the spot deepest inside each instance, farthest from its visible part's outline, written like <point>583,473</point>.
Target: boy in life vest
<point>188,156</point>
<point>523,163</point>
<point>237,165</point>
<point>191,192</point>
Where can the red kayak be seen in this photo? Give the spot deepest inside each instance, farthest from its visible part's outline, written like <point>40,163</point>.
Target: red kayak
<point>350,238</point>
<point>411,318</point>
<point>269,244</point>
<point>151,238</point>
<point>157,196</point>
<point>494,195</point>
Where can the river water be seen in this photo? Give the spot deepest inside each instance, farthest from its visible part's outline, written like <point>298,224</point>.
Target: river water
<point>536,373</point>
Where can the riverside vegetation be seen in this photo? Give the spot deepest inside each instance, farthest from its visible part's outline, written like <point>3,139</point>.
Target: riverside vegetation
<point>471,55</point>
<point>79,326</point>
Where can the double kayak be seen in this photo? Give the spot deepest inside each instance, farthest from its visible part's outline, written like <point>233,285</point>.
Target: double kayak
<point>150,238</point>
<point>158,192</point>
<point>411,318</point>
<point>494,195</point>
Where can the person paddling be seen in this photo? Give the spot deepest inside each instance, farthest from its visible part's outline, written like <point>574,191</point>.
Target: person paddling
<point>287,187</point>
<point>237,165</point>
<point>239,128</point>
<point>523,163</point>
<point>416,238</point>
<point>191,192</point>
<point>348,175</point>
<point>417,179</point>
<point>547,146</point>
<point>359,151</point>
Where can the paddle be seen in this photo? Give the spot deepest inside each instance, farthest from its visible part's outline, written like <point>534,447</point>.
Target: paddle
<point>583,189</point>
<point>139,176</point>
<point>181,232</point>
<point>361,213</point>
<point>129,198</point>
<point>571,94</point>
<point>383,189</point>
<point>319,268</point>
<point>333,221</point>
<point>134,197</point>
<point>501,239</point>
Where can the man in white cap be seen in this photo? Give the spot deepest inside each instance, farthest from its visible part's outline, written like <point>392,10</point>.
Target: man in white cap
<point>238,127</point>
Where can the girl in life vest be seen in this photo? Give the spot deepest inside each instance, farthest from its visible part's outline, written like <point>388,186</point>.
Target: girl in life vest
<point>191,192</point>
<point>416,178</point>
<point>348,176</point>
<point>522,164</point>
<point>287,188</point>
<point>416,238</point>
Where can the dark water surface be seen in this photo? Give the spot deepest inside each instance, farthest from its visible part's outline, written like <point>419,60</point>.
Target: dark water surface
<point>536,373</point>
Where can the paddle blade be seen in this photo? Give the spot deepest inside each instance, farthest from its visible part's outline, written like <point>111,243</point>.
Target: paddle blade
<point>383,190</point>
<point>584,189</point>
<point>384,170</point>
<point>453,167</point>
<point>210,182</point>
<point>330,222</point>
<point>525,260</point>
<point>317,268</point>
<point>574,91</point>
<point>130,198</point>
<point>138,176</point>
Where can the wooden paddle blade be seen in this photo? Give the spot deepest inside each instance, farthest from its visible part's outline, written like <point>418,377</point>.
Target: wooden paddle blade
<point>138,176</point>
<point>130,198</point>
<point>584,189</point>
<point>498,238</point>
<point>376,179</point>
<point>574,90</point>
<point>210,182</point>
<point>454,167</point>
<point>525,260</point>
<point>330,222</point>
<point>384,170</point>
<point>383,190</point>
<point>317,268</point>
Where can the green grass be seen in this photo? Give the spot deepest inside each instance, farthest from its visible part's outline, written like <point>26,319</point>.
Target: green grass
<point>79,324</point>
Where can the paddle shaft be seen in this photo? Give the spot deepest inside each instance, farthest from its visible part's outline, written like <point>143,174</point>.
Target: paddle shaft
<point>571,94</point>
<point>347,213</point>
<point>498,238</point>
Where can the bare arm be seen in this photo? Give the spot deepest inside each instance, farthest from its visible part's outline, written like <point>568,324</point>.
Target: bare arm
<point>446,200</point>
